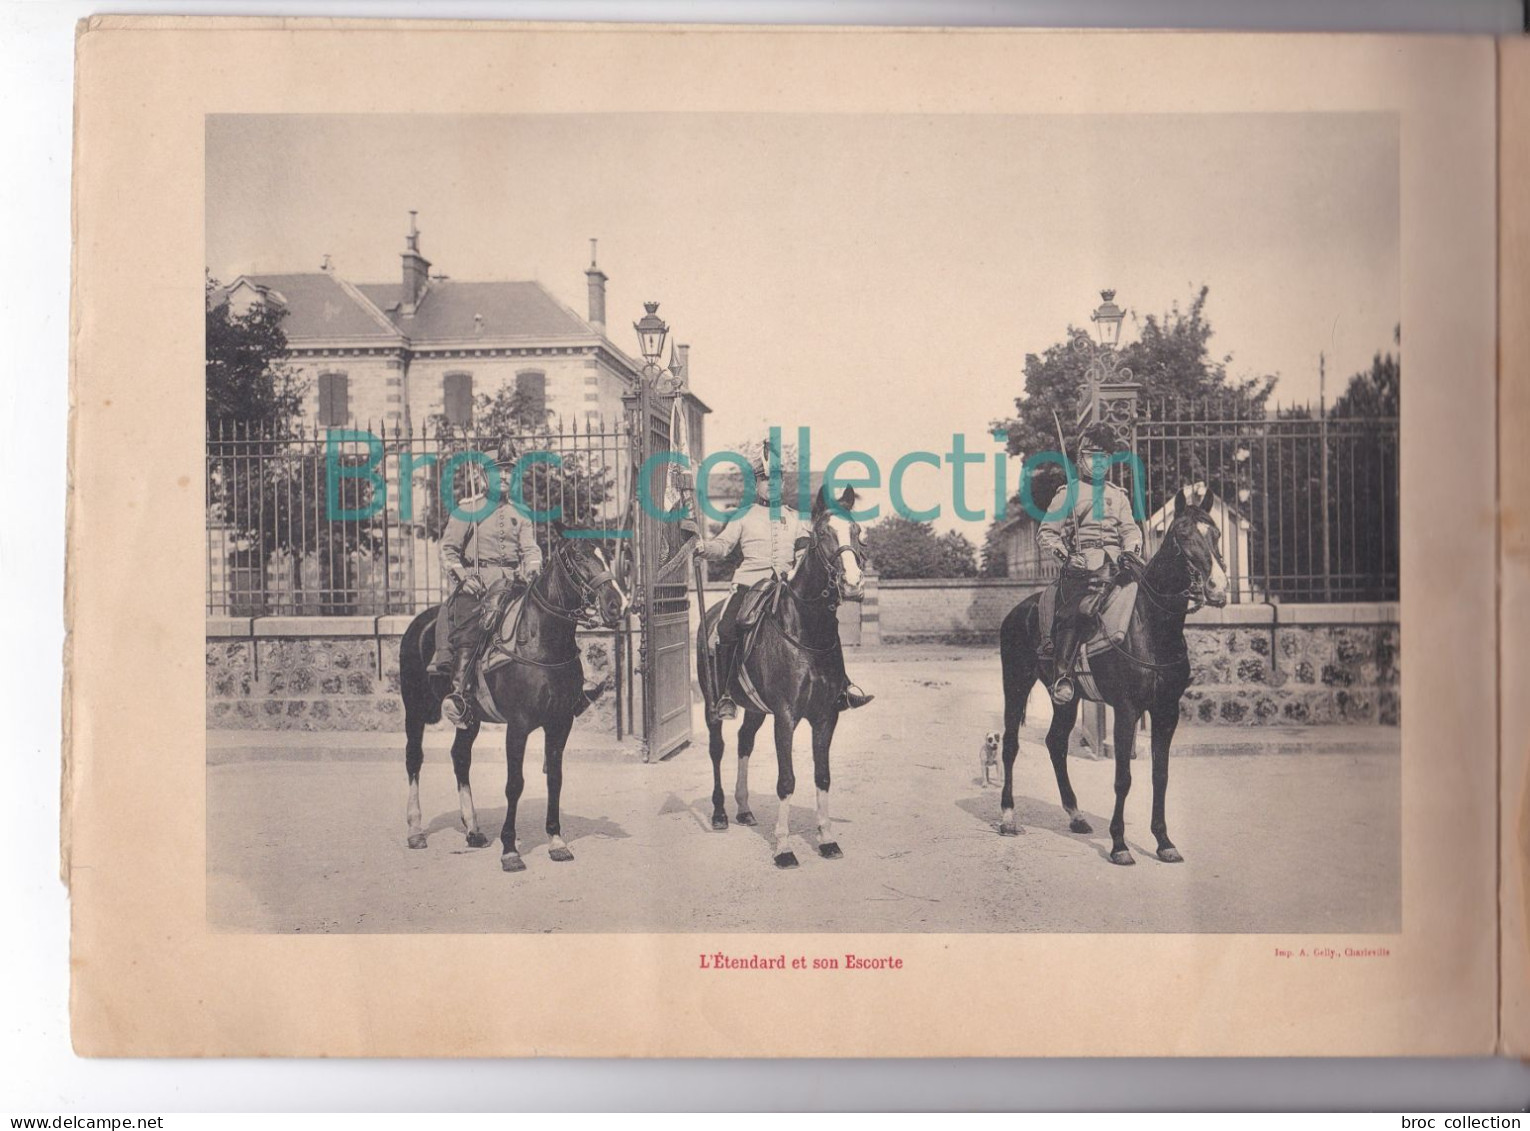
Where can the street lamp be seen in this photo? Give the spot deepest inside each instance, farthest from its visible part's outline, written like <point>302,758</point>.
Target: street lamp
<point>651,332</point>
<point>1110,392</point>
<point>1108,318</point>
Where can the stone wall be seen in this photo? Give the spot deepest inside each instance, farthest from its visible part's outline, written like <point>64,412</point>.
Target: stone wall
<point>334,673</point>
<point>1255,663</point>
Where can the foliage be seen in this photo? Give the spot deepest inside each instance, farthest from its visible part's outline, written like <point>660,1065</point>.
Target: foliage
<point>900,547</point>
<point>578,488</point>
<point>249,383</point>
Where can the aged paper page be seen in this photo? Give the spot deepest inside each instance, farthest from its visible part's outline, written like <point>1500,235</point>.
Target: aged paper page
<point>1514,481</point>
<point>246,879</point>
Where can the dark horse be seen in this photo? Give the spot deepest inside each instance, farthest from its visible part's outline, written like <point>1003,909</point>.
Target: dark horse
<point>796,669</point>
<point>542,687</point>
<point>1148,671</point>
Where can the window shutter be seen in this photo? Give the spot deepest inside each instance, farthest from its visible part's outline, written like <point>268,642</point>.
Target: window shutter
<point>458,396</point>
<point>531,384</point>
<point>334,400</point>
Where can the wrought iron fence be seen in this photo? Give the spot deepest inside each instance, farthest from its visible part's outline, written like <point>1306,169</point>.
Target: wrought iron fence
<point>295,524</point>
<point>1309,506</point>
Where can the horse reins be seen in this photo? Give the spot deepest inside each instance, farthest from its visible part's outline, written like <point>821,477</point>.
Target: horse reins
<point>1193,594</point>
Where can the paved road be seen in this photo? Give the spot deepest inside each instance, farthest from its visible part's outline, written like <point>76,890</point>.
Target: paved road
<point>306,833</point>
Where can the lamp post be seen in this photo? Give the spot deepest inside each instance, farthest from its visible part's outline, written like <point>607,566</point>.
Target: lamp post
<point>1109,396</point>
<point>655,401</point>
<point>1110,392</point>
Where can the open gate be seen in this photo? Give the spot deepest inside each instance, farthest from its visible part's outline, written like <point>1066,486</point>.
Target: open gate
<point>663,585</point>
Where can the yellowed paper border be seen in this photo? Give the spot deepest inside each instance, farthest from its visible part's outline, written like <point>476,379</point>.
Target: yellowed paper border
<point>150,979</point>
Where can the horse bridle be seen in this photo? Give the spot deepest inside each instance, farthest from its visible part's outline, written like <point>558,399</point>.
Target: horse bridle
<point>831,562</point>
<point>1194,594</point>
<point>588,589</point>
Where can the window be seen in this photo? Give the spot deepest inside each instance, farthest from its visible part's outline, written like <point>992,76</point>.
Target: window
<point>458,397</point>
<point>334,400</point>
<point>531,388</point>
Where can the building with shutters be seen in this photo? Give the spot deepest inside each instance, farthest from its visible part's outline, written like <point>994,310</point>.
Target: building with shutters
<point>386,355</point>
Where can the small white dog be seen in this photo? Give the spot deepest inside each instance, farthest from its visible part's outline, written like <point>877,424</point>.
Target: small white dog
<point>988,755</point>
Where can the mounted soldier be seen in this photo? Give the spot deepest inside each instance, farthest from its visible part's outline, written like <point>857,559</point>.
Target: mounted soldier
<point>772,546</point>
<point>1093,538</point>
<point>486,560</point>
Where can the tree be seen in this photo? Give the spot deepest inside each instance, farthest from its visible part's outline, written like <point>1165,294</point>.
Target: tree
<point>1171,358</point>
<point>578,487</point>
<point>900,547</point>
<point>1375,394</point>
<point>994,557</point>
<point>249,383</point>
<point>267,487</point>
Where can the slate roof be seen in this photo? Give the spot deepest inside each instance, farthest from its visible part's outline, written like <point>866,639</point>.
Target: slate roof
<point>509,310</point>
<point>322,306</point>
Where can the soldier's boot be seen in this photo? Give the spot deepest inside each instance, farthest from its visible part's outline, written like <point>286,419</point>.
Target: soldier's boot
<point>1065,642</point>
<point>441,659</point>
<point>724,708</point>
<point>457,707</point>
<point>852,697</point>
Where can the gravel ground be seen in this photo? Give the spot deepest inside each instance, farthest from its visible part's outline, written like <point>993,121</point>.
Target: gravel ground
<point>1286,831</point>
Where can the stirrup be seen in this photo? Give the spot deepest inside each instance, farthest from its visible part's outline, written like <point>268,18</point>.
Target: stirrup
<point>1063,691</point>
<point>456,710</point>
<point>725,709</point>
<point>852,697</point>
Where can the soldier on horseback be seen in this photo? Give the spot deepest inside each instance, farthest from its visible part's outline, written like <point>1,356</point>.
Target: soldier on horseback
<point>771,545</point>
<point>1092,539</point>
<point>492,553</point>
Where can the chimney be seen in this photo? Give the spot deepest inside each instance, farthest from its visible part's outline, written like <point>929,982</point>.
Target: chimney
<point>416,270</point>
<point>682,366</point>
<point>597,281</point>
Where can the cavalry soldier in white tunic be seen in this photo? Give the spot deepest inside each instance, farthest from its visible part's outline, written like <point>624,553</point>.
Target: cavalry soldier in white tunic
<point>1092,538</point>
<point>772,546</point>
<point>491,552</point>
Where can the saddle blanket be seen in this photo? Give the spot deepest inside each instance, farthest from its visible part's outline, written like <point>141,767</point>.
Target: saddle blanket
<point>1111,622</point>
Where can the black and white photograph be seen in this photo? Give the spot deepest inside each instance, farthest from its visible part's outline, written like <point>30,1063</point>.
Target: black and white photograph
<point>856,523</point>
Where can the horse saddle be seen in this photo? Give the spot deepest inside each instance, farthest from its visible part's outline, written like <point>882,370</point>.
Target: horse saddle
<point>1112,613</point>
<point>758,599</point>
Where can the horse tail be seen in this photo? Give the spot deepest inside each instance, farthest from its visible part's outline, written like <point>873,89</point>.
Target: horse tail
<point>421,705</point>
<point>1020,667</point>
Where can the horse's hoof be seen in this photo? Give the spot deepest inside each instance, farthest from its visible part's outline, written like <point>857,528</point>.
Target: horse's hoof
<point>476,839</point>
<point>1123,857</point>
<point>416,840</point>
<point>512,862</point>
<point>561,855</point>
<point>1009,828</point>
<point>1079,825</point>
<point>719,822</point>
<point>830,851</point>
<point>745,817</point>
<point>1170,855</point>
<point>786,860</point>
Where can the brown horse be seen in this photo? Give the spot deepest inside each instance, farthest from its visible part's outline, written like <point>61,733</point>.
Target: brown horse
<point>796,671</point>
<point>542,686</point>
<point>1147,672</point>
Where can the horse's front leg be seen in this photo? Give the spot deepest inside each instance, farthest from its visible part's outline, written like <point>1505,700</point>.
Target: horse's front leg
<point>715,747</point>
<point>786,785</point>
<point>462,763</point>
<point>823,737</point>
<point>515,781</point>
<point>1165,719</point>
<point>752,723</point>
<point>1126,734</point>
<point>555,737</point>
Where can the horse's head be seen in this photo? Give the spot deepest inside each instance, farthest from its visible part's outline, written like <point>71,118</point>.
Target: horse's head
<point>1196,536</point>
<point>588,570</point>
<point>837,543</point>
